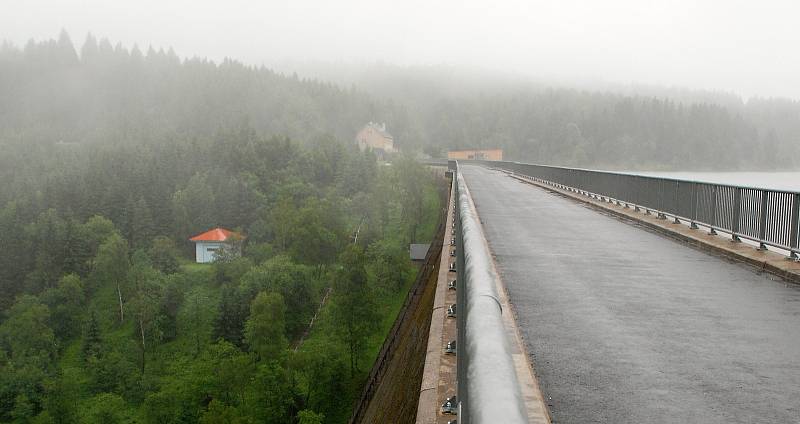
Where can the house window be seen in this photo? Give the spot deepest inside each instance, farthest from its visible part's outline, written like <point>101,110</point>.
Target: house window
<point>212,249</point>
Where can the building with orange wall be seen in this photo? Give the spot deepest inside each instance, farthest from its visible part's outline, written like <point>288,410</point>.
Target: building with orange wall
<point>374,136</point>
<point>476,154</point>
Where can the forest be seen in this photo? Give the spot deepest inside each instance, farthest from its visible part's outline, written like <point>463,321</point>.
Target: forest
<point>105,317</point>
<point>55,93</point>
<point>112,157</point>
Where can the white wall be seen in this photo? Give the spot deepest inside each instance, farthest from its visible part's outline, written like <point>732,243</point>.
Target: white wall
<point>202,253</point>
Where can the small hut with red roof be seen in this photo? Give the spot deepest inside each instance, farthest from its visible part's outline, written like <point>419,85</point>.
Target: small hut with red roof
<point>211,243</point>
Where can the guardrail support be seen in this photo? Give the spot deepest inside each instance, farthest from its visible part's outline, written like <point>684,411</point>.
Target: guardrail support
<point>676,201</point>
<point>737,206</point>
<point>762,224</point>
<point>713,232</point>
<point>795,217</point>
<point>693,225</point>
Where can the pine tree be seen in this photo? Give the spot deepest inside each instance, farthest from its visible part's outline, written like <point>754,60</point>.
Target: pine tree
<point>66,51</point>
<point>141,224</point>
<point>92,340</point>
<point>77,252</point>
<point>89,50</point>
<point>233,311</point>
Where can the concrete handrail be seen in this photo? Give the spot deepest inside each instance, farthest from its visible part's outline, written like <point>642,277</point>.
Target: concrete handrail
<point>488,387</point>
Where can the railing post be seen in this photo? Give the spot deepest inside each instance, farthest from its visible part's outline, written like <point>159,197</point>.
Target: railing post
<point>762,225</point>
<point>675,202</point>
<point>713,222</point>
<point>737,205</point>
<point>694,207</point>
<point>793,236</point>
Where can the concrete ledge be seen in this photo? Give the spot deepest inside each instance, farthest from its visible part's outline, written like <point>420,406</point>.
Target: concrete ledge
<point>439,373</point>
<point>764,260</point>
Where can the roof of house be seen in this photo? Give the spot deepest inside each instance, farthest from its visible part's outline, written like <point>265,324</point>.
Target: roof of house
<point>380,129</point>
<point>417,251</point>
<point>216,234</point>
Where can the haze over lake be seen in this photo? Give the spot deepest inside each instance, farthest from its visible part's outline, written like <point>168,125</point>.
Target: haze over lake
<point>787,181</point>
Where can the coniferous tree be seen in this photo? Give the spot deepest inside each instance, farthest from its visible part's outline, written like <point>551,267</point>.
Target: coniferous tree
<point>141,224</point>
<point>353,302</point>
<point>112,266</point>
<point>265,329</point>
<point>92,345</point>
<point>229,324</point>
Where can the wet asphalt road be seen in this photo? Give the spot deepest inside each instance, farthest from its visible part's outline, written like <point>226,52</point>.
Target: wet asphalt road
<point>627,326</point>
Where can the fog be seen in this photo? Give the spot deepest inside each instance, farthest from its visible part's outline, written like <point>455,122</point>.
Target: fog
<point>748,48</point>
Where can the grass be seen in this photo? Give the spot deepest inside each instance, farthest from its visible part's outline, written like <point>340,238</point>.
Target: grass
<point>193,267</point>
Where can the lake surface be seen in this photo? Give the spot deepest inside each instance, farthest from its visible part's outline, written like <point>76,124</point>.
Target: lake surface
<point>788,181</point>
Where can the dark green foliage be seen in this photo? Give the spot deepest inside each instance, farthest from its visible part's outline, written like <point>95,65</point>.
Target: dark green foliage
<point>62,394</point>
<point>104,319</point>
<point>115,371</point>
<point>353,301</point>
<point>27,350</point>
<point>111,266</point>
<point>141,228</point>
<point>389,265</point>
<point>295,284</point>
<point>47,235</point>
<point>79,251</point>
<point>228,269</point>
<point>105,408</point>
<point>147,295</point>
<point>164,255</point>
<point>233,310</point>
<point>25,334</point>
<point>198,320</point>
<point>66,304</point>
<point>170,306</point>
<point>265,329</point>
<point>328,372</point>
<point>309,417</point>
<point>272,393</point>
<point>92,344</point>
<point>16,261</point>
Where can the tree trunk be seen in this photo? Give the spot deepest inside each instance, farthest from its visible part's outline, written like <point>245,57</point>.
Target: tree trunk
<point>352,361</point>
<point>141,331</point>
<point>121,311</point>
<point>196,319</point>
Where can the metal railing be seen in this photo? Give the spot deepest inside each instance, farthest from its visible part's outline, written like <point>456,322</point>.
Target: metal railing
<point>766,216</point>
<point>488,390</point>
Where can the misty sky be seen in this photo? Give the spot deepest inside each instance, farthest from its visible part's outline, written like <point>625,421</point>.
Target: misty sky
<point>748,47</point>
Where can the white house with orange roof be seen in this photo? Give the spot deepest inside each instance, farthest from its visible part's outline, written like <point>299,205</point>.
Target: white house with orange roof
<point>214,241</point>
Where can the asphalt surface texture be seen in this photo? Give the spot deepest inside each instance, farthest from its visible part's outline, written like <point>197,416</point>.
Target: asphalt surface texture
<point>628,326</point>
